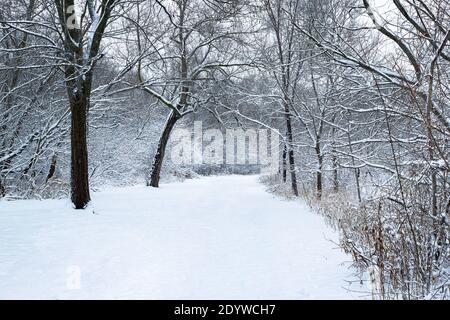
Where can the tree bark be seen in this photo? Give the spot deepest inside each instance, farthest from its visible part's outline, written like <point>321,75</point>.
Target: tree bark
<point>335,172</point>
<point>161,150</point>
<point>81,51</point>
<point>319,171</point>
<point>52,169</point>
<point>358,188</point>
<point>334,160</point>
<point>2,189</point>
<point>284,165</point>
<point>290,151</point>
<point>79,154</point>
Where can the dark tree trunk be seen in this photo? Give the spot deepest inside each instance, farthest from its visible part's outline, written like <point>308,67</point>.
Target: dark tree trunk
<point>79,74</point>
<point>358,188</point>
<point>52,169</point>
<point>284,165</point>
<point>290,151</point>
<point>319,171</point>
<point>2,189</point>
<point>293,175</point>
<point>319,183</point>
<point>159,156</point>
<point>79,154</point>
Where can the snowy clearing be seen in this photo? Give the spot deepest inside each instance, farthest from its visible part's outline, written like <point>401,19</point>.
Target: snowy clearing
<point>210,238</point>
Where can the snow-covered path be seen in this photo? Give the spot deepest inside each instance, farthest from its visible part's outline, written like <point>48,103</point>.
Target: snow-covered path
<point>210,238</point>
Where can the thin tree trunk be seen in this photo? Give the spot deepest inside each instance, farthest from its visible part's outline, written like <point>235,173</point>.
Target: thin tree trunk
<point>334,158</point>
<point>335,171</point>
<point>2,189</point>
<point>358,188</point>
<point>284,165</point>
<point>430,139</point>
<point>355,170</point>
<point>319,170</point>
<point>293,175</point>
<point>290,151</point>
<point>79,154</point>
<point>159,156</point>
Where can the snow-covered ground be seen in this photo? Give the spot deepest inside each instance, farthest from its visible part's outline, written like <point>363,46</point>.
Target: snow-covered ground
<point>209,238</point>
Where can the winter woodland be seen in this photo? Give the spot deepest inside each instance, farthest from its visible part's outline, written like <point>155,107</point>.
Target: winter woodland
<point>354,94</point>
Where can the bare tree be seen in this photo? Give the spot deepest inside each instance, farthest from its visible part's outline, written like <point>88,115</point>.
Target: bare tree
<point>81,51</point>
<point>189,49</point>
<point>286,70</point>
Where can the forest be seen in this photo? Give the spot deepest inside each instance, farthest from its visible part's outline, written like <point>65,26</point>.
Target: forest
<point>353,94</point>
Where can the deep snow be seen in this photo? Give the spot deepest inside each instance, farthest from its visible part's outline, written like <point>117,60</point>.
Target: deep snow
<point>209,238</point>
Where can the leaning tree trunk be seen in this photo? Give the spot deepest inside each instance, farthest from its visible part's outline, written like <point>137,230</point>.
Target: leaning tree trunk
<point>79,154</point>
<point>159,156</point>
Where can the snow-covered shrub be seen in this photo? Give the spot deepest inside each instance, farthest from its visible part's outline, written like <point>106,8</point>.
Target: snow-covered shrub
<point>392,236</point>
<point>399,237</point>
